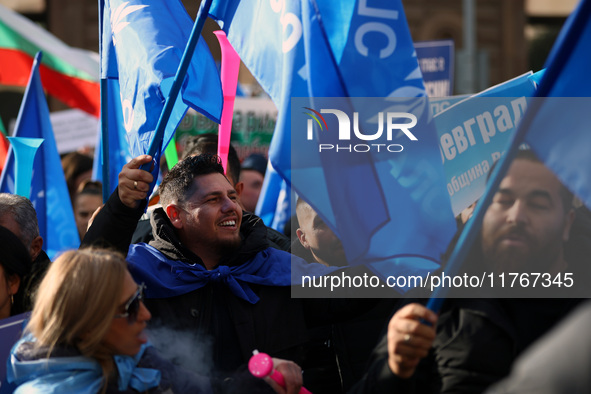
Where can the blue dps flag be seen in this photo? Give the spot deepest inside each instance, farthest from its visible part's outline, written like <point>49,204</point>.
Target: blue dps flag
<point>376,205</point>
<point>118,147</point>
<point>142,46</point>
<point>557,125</point>
<point>49,192</point>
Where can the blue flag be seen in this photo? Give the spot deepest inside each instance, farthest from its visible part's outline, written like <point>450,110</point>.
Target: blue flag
<point>119,152</point>
<point>49,192</point>
<point>557,125</point>
<point>375,203</point>
<point>142,45</point>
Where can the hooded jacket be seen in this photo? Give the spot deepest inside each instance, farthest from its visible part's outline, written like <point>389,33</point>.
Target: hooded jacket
<point>274,324</point>
<point>223,328</point>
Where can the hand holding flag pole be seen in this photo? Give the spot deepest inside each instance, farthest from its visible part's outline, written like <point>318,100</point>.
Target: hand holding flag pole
<point>229,74</point>
<point>156,143</point>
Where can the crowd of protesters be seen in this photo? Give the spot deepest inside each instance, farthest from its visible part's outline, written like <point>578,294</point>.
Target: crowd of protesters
<point>202,270</point>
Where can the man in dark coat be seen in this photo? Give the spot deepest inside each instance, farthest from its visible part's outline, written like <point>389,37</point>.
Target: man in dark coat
<point>350,350</point>
<point>209,268</point>
<point>473,342</point>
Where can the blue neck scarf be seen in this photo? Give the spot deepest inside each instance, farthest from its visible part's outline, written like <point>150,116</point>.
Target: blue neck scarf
<point>166,278</point>
<point>77,374</point>
<point>130,375</point>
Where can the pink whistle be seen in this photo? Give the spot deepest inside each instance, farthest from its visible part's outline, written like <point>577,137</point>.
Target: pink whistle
<point>261,365</point>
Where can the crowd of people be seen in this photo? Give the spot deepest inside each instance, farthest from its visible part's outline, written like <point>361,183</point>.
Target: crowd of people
<point>200,266</point>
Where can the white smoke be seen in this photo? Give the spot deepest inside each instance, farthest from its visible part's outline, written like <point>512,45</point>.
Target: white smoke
<point>184,348</point>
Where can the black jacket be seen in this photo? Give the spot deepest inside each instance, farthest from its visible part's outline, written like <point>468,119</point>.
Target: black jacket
<point>342,340</point>
<point>233,328</point>
<point>477,341</point>
<point>274,325</point>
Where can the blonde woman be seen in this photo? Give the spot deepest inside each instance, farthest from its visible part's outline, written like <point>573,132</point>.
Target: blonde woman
<point>86,334</point>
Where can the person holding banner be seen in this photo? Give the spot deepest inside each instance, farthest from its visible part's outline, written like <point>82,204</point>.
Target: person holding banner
<point>474,341</point>
<point>15,268</point>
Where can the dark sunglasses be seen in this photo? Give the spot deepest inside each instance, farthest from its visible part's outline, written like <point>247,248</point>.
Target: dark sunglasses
<point>132,306</point>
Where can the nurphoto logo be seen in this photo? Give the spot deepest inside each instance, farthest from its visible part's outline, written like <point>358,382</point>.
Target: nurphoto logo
<point>395,122</point>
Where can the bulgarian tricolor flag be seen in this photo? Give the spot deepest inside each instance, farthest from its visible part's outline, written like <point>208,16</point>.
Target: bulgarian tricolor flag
<point>69,74</point>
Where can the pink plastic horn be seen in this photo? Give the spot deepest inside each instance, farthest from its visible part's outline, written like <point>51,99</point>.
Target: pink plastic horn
<point>261,365</point>
<point>230,67</point>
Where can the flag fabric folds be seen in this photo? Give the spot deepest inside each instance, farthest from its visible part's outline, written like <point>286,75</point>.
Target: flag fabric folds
<point>118,147</point>
<point>49,192</point>
<point>69,74</point>
<point>142,45</point>
<point>315,49</point>
<point>557,127</point>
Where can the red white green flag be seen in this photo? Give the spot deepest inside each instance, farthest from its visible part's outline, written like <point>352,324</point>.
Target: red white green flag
<point>69,74</point>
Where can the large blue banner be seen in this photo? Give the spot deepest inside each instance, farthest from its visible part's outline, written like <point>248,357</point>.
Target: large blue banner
<point>270,38</point>
<point>316,49</point>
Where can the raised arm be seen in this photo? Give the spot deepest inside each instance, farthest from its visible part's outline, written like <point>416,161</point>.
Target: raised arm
<point>114,225</point>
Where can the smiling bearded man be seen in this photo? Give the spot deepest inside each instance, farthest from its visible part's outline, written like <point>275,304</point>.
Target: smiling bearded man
<point>208,208</point>
<point>209,270</point>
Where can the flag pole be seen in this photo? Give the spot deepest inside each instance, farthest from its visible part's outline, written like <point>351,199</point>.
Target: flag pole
<point>105,139</point>
<point>104,110</point>
<point>178,81</point>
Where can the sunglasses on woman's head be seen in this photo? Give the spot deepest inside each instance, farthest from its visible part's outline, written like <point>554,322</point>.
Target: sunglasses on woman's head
<point>132,306</point>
